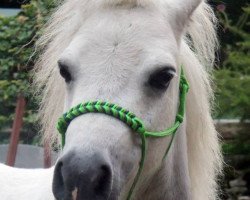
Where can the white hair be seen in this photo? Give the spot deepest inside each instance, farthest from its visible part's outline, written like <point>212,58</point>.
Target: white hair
<point>197,55</point>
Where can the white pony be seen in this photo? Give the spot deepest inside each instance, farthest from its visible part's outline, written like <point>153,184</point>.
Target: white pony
<point>127,52</point>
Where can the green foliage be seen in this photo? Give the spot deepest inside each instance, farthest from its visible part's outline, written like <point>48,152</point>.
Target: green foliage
<point>236,148</point>
<point>233,94</point>
<point>233,76</point>
<point>18,35</point>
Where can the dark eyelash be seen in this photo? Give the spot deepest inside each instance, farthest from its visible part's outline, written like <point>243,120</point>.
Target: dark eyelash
<point>160,79</point>
<point>64,72</point>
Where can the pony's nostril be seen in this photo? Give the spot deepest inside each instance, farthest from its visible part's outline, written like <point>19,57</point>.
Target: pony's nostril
<point>58,183</point>
<point>102,182</point>
<point>87,177</point>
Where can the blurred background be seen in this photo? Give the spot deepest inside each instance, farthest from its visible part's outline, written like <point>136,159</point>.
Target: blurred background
<point>21,24</point>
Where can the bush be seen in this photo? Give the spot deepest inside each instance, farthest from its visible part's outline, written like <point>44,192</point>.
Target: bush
<point>233,75</point>
<point>17,38</point>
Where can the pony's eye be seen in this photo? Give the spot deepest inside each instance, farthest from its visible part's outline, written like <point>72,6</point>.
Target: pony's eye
<point>64,72</point>
<point>160,79</point>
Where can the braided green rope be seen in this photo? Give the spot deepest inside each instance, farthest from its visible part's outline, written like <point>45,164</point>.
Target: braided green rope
<point>130,119</point>
<point>99,107</point>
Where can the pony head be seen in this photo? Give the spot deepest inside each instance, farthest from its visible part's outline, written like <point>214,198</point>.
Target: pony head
<point>126,52</point>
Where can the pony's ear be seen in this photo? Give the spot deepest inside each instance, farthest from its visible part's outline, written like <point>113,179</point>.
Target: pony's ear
<point>180,11</point>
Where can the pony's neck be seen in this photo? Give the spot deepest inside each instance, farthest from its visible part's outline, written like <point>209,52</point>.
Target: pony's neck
<point>172,179</point>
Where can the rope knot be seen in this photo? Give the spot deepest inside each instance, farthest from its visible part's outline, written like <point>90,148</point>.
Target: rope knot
<point>179,118</point>
<point>184,83</point>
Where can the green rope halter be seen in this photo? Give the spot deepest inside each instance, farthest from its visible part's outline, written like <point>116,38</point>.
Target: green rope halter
<point>130,119</point>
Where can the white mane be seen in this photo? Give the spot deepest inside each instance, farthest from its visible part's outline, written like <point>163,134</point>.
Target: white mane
<point>197,54</point>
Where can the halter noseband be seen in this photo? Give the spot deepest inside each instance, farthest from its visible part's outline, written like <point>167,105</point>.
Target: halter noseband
<point>130,119</point>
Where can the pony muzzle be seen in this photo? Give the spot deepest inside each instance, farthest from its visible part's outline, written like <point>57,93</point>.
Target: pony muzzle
<point>85,177</point>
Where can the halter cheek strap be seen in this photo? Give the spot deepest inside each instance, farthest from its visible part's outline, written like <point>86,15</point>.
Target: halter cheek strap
<point>130,119</point>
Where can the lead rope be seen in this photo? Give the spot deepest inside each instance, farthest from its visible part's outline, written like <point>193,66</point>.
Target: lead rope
<point>130,119</point>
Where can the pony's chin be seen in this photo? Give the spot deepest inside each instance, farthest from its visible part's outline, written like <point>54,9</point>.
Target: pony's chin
<point>112,196</point>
